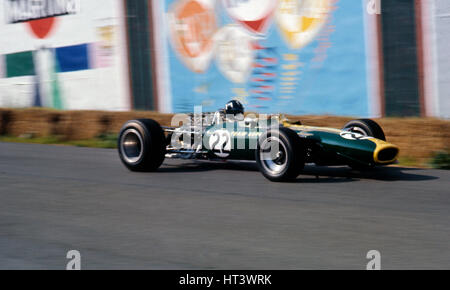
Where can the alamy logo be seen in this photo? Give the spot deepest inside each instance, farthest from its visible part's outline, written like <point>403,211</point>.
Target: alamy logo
<point>74,257</point>
<point>374,7</point>
<point>374,257</point>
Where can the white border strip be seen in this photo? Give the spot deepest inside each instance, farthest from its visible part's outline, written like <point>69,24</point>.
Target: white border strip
<point>2,66</point>
<point>160,33</point>
<point>431,64</point>
<point>373,62</point>
<point>124,53</point>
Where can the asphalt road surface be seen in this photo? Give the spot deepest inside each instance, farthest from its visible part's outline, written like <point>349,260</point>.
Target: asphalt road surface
<point>197,215</point>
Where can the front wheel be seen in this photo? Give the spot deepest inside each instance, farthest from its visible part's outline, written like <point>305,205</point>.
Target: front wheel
<point>366,128</point>
<point>280,155</point>
<point>142,145</point>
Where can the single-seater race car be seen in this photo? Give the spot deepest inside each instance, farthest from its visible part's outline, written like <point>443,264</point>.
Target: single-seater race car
<point>280,148</point>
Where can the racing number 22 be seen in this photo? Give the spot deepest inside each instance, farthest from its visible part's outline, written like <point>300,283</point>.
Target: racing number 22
<point>220,142</point>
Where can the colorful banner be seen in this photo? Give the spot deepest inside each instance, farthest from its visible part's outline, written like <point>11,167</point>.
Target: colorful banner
<point>289,56</point>
<point>74,51</point>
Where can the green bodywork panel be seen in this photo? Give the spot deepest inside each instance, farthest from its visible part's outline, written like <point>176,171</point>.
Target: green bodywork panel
<point>329,142</point>
<point>357,150</point>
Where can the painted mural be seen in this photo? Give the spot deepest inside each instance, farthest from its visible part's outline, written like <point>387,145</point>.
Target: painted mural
<point>290,56</point>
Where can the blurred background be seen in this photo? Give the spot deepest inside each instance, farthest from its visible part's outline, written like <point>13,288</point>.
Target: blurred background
<point>366,58</point>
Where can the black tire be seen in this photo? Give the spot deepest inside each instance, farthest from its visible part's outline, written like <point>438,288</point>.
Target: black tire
<point>142,145</point>
<point>291,148</point>
<point>366,127</point>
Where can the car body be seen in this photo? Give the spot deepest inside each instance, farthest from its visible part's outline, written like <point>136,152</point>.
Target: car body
<point>281,148</point>
<point>325,146</point>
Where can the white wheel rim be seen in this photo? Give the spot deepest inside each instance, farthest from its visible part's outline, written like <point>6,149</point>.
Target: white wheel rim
<point>273,159</point>
<point>131,146</point>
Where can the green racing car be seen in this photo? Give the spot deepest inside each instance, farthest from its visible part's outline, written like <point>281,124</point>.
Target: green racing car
<point>280,148</point>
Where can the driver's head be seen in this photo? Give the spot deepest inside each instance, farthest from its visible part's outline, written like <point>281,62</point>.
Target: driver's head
<point>234,108</point>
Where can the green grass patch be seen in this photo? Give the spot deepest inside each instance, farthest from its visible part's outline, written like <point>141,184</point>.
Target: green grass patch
<point>409,161</point>
<point>441,160</point>
<point>102,141</point>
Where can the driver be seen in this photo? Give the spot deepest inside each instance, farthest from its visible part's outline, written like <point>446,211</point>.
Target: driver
<point>233,111</point>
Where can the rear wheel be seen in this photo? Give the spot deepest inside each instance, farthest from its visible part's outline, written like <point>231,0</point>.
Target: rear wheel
<point>280,155</point>
<point>142,145</point>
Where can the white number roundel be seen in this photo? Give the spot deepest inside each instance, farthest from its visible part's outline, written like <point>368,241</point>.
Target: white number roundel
<point>353,135</point>
<point>220,143</point>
